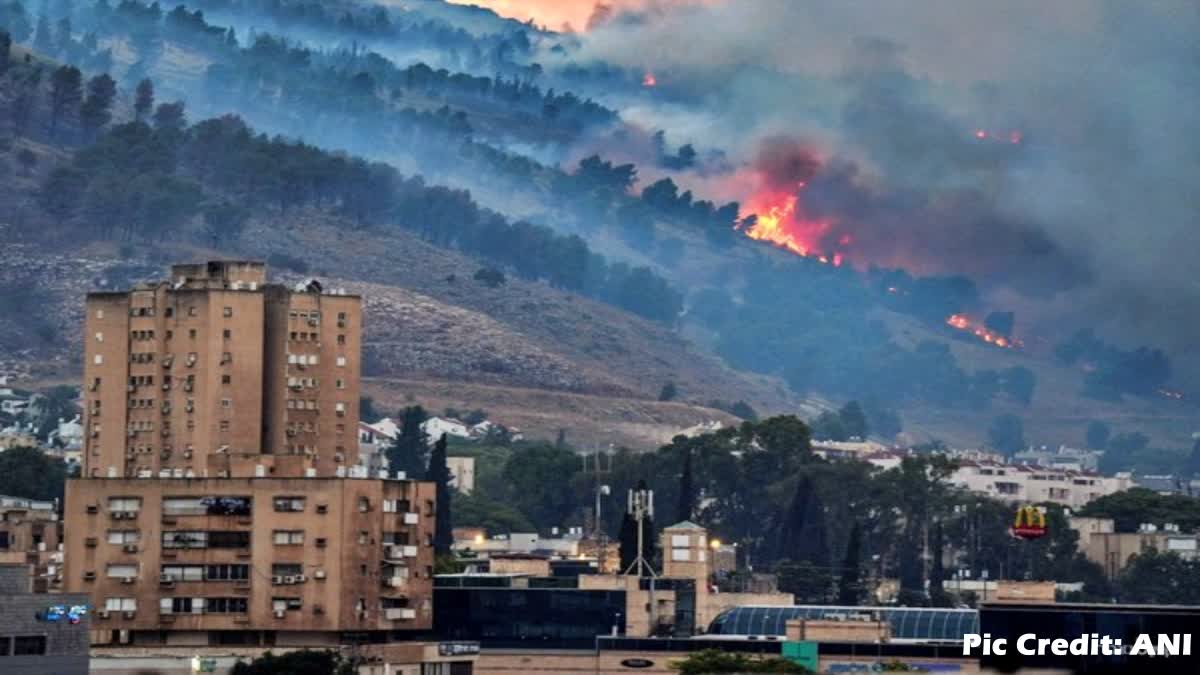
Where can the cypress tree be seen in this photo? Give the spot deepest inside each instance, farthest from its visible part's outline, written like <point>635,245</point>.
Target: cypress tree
<point>439,473</point>
<point>408,452</point>
<point>687,492</point>
<point>850,585</point>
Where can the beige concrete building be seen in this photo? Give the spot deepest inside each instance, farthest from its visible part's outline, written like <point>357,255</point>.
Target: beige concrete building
<point>1112,550</point>
<point>31,534</point>
<point>214,368</point>
<point>220,502</point>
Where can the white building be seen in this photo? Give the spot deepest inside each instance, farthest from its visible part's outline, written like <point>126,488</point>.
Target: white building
<point>462,472</point>
<point>1034,484</point>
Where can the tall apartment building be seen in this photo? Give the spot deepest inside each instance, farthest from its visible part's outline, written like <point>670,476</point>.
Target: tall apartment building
<point>220,502</point>
<point>214,369</point>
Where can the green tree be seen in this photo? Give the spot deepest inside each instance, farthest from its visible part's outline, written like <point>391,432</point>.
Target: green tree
<point>61,194</point>
<point>668,392</point>
<point>854,420</point>
<point>409,451</point>
<point>224,221</point>
<point>495,516</point>
<point>1019,383</point>
<point>143,101</point>
<point>687,492</point>
<point>1158,578</point>
<point>439,474</point>
<point>96,110</point>
<point>1007,434</point>
<point>828,427</point>
<point>716,661</point>
<point>744,411</point>
<point>541,483</point>
<point>1130,508</point>
<point>66,91</point>
<point>850,588</point>
<point>5,51</point>
<point>302,662</point>
<point>32,474</point>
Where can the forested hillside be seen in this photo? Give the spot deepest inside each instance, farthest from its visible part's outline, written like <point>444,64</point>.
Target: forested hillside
<point>352,127</point>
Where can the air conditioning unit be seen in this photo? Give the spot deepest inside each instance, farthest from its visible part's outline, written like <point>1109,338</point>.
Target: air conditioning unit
<point>130,548</point>
<point>166,579</point>
<point>289,579</point>
<point>411,518</point>
<point>319,574</point>
<point>279,613</point>
<point>277,580</point>
<point>396,582</point>
<point>410,551</point>
<point>90,542</point>
<point>129,614</point>
<point>393,552</point>
<point>399,613</point>
<point>318,609</point>
<point>300,578</point>
<point>89,576</point>
<point>103,614</point>
<point>128,580</point>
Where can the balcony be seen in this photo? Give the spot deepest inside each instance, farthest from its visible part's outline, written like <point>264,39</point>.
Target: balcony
<point>393,582</point>
<point>399,553</point>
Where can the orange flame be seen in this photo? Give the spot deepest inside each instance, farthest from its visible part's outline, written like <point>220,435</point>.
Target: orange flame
<point>779,221</point>
<point>649,80</point>
<point>963,323</point>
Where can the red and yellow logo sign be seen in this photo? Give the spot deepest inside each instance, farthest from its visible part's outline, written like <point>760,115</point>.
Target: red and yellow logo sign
<point>1030,523</point>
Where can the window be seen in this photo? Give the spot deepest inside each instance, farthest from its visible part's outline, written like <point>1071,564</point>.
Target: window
<point>289,504</point>
<point>206,505</point>
<point>226,403</point>
<point>226,357</point>
<point>181,606</point>
<point>169,312</point>
<point>99,337</point>
<point>340,383</point>
<point>227,312</point>
<point>364,537</point>
<point>288,537</point>
<point>341,339</point>
<point>286,569</point>
<point>184,539</point>
<point>224,425</point>
<point>225,605</point>
<point>29,645</point>
<point>192,333</point>
<point>341,362</point>
<point>120,604</point>
<point>227,334</point>
<point>226,379</point>
<point>192,312</point>
<point>170,334</point>
<point>183,572</point>
<point>229,539</point>
<point>122,537</point>
<point>97,359</point>
<point>227,572</point>
<point>99,314</point>
<point>124,503</point>
<point>121,571</point>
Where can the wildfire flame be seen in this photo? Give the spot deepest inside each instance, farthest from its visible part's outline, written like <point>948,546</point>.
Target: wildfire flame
<point>962,323</point>
<point>779,221</point>
<point>649,80</point>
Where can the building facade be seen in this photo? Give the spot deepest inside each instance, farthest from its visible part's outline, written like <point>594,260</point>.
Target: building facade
<point>31,533</point>
<point>221,501</point>
<point>213,366</point>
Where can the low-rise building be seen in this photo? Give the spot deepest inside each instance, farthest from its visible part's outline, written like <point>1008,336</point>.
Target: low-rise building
<point>251,561</point>
<point>1112,550</point>
<point>41,634</point>
<point>1024,483</point>
<point>31,533</point>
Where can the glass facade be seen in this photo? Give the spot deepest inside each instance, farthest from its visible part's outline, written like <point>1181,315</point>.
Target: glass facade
<point>908,623</point>
<point>550,617</point>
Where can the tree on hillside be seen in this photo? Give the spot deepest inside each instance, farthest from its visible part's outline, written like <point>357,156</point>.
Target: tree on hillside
<point>5,50</point>
<point>687,492</point>
<point>439,474</point>
<point>96,110</point>
<point>854,420</point>
<point>668,392</point>
<point>62,192</point>
<point>224,221</point>
<point>302,662</point>
<point>850,588</point>
<point>66,91</point>
<point>1019,383</point>
<point>409,451</point>
<point>1154,578</point>
<point>1007,434</point>
<point>170,117</point>
<point>828,427</point>
<point>32,474</point>
<point>25,101</point>
<point>1130,508</point>
<point>143,101</point>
